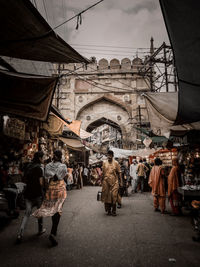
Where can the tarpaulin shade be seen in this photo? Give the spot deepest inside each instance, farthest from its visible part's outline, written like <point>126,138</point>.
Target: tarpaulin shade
<point>26,35</point>
<point>162,112</point>
<point>73,125</point>
<point>123,153</point>
<point>73,144</point>
<point>182,20</point>
<point>28,66</point>
<point>58,114</point>
<point>26,95</point>
<point>54,126</point>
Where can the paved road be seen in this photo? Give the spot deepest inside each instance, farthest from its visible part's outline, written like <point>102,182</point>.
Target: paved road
<point>137,237</point>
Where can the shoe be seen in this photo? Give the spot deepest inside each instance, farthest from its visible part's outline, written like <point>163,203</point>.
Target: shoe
<point>114,213</point>
<point>157,210</point>
<point>19,239</point>
<point>109,213</point>
<point>119,206</point>
<point>53,240</point>
<point>41,232</point>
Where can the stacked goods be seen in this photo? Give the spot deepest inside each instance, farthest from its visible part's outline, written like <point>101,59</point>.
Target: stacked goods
<point>166,156</point>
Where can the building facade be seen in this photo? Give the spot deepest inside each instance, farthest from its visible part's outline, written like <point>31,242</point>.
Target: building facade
<point>105,93</point>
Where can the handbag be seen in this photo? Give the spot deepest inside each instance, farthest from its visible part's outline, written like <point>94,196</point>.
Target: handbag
<point>99,196</point>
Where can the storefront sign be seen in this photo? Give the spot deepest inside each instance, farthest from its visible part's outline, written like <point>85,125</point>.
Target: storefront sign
<point>179,140</point>
<point>15,128</point>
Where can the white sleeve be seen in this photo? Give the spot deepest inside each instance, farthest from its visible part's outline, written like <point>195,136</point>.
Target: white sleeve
<point>49,172</point>
<point>61,171</point>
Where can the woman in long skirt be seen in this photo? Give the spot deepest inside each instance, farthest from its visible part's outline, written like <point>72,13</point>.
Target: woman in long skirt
<point>55,172</point>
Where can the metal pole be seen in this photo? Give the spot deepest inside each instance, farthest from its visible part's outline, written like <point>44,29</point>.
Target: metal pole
<point>151,65</point>
<point>175,80</point>
<point>166,74</point>
<point>58,88</point>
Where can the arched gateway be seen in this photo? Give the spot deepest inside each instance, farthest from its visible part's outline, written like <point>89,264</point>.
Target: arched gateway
<point>108,92</point>
<point>105,110</point>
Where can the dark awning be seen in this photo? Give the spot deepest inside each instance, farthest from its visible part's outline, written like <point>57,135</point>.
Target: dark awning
<point>182,20</point>
<point>26,35</point>
<point>56,111</point>
<point>28,96</point>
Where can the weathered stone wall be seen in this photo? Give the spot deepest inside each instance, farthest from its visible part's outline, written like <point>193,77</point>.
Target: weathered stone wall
<point>105,89</point>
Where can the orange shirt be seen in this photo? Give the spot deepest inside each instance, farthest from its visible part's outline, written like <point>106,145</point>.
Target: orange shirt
<point>156,181</point>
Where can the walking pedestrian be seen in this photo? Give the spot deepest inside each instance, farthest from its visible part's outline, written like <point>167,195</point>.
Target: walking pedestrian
<point>141,172</point>
<point>110,185</point>
<point>133,175</point>
<point>56,194</point>
<point>70,180</point>
<point>157,183</point>
<point>34,178</point>
<point>80,177</point>
<point>147,173</point>
<point>125,178</point>
<point>85,175</point>
<point>174,181</point>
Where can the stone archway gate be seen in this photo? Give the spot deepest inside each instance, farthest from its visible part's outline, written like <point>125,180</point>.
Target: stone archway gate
<point>111,90</point>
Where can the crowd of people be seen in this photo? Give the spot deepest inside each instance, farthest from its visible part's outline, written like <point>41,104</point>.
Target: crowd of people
<point>142,176</point>
<point>47,186</point>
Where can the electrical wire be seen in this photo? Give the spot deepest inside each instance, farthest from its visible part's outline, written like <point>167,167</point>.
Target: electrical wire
<point>78,15</point>
<point>136,48</point>
<point>50,31</point>
<point>96,84</point>
<point>109,50</point>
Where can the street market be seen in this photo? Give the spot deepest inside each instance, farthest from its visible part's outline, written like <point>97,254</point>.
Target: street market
<point>84,140</point>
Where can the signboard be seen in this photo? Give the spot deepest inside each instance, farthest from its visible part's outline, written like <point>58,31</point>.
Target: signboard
<point>14,128</point>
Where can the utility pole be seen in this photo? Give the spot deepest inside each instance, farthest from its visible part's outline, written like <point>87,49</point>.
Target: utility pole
<point>159,68</point>
<point>175,78</point>
<point>165,63</point>
<point>139,116</point>
<point>58,88</point>
<point>151,65</point>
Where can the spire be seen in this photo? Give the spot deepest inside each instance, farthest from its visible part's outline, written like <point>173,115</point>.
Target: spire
<point>152,46</point>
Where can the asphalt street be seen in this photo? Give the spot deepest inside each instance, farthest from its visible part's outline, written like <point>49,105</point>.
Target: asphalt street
<point>136,237</point>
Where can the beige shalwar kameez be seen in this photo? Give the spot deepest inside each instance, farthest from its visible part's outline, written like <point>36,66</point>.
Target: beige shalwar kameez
<point>110,184</point>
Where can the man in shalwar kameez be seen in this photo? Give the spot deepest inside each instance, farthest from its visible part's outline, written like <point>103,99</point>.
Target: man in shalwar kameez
<point>174,181</point>
<point>110,185</point>
<point>157,183</point>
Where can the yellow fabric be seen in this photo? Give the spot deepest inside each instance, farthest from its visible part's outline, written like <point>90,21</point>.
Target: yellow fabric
<point>54,126</point>
<point>110,185</point>
<point>156,181</point>
<point>173,182</point>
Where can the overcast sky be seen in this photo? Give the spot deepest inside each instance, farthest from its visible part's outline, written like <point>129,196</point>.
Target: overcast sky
<point>107,27</point>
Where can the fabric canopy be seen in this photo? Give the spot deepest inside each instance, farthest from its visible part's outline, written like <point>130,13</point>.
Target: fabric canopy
<point>162,111</point>
<point>73,125</point>
<point>26,35</point>
<point>58,114</point>
<point>183,22</point>
<point>123,153</point>
<point>84,134</point>
<point>73,144</point>
<point>24,95</point>
<point>54,126</point>
<point>93,159</point>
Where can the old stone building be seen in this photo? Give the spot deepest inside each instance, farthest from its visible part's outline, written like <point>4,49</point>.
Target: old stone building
<point>105,93</point>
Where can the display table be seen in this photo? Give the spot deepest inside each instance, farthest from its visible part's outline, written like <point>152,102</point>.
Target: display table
<point>189,193</point>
